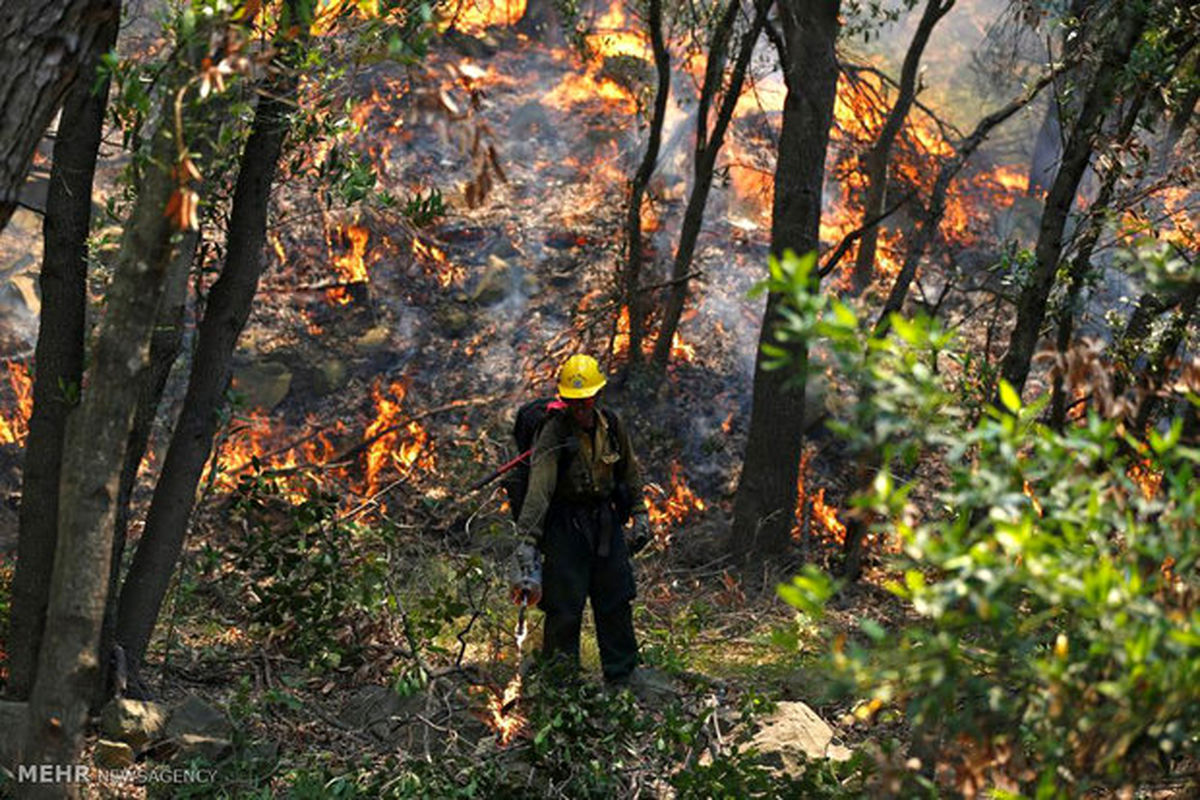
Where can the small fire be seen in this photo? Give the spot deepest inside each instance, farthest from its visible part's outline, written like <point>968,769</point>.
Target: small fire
<point>669,508</point>
<point>502,714</point>
<point>827,516</point>
<point>251,439</point>
<point>680,350</point>
<point>14,427</point>
<point>473,17</point>
<point>437,265</point>
<point>393,444</point>
<point>387,410</point>
<point>349,267</point>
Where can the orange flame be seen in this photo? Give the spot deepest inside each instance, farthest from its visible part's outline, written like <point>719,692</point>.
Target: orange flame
<point>403,447</point>
<point>14,427</point>
<point>827,516</point>
<point>669,508</point>
<point>502,714</point>
<point>824,516</point>
<point>437,265</point>
<point>473,17</point>
<point>680,350</point>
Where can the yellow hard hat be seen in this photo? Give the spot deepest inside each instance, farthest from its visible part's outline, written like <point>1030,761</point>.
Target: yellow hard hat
<point>580,377</point>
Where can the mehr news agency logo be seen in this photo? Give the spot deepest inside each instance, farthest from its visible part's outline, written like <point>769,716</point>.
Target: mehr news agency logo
<point>134,775</point>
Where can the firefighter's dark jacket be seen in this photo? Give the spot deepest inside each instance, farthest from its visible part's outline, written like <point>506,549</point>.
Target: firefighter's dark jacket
<point>589,477</point>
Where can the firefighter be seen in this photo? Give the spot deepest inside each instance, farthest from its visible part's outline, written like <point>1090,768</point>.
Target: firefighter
<point>584,482</point>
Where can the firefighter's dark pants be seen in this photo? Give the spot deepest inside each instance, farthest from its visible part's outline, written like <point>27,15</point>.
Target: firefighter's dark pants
<point>579,564</point>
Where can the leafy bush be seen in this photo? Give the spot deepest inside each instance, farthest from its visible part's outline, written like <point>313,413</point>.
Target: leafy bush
<point>1055,579</point>
<point>312,573</point>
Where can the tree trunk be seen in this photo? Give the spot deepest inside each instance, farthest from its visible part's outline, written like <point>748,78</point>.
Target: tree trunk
<point>93,453</point>
<point>876,172</point>
<point>707,148</point>
<point>165,344</point>
<point>43,47</point>
<point>633,225</point>
<point>58,357</point>
<point>764,508</point>
<point>1031,307</point>
<point>1082,262</point>
<point>225,315</point>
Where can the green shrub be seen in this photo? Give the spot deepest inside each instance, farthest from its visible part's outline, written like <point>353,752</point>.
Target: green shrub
<point>313,574</point>
<point>1055,579</point>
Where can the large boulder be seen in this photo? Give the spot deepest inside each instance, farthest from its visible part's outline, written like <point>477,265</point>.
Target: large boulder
<point>794,734</point>
<point>380,712</point>
<point>135,722</point>
<point>264,385</point>
<point>192,716</point>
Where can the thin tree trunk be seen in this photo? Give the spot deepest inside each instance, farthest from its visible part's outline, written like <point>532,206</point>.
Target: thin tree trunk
<point>707,149</point>
<point>1031,308</point>
<point>1083,258</point>
<point>225,315</point>
<point>93,453</point>
<point>764,508</point>
<point>58,357</point>
<point>633,226</point>
<point>44,44</point>
<point>876,172</point>
<point>165,344</point>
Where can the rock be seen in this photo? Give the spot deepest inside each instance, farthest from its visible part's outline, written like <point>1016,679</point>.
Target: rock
<point>380,711</point>
<point>195,717</point>
<point>453,320</point>
<point>651,686</point>
<point>494,284</point>
<point>193,747</point>
<point>793,733</point>
<point>329,376</point>
<point>374,339</point>
<point>112,755</point>
<point>263,385</point>
<point>135,722</point>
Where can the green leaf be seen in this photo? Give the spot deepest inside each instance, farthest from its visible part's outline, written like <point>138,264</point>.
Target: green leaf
<point>1009,397</point>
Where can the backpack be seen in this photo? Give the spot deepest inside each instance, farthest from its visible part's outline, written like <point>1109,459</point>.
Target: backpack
<point>531,417</point>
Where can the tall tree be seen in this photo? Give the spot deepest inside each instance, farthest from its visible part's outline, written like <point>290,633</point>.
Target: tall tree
<point>93,454</point>
<point>764,508</point>
<point>44,44</point>
<point>635,251</point>
<point>704,160</point>
<point>59,352</point>
<point>225,314</point>
<point>1125,29</point>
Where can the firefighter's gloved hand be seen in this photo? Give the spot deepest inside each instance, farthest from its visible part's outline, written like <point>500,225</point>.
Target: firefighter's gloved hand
<point>526,574</point>
<point>639,534</point>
